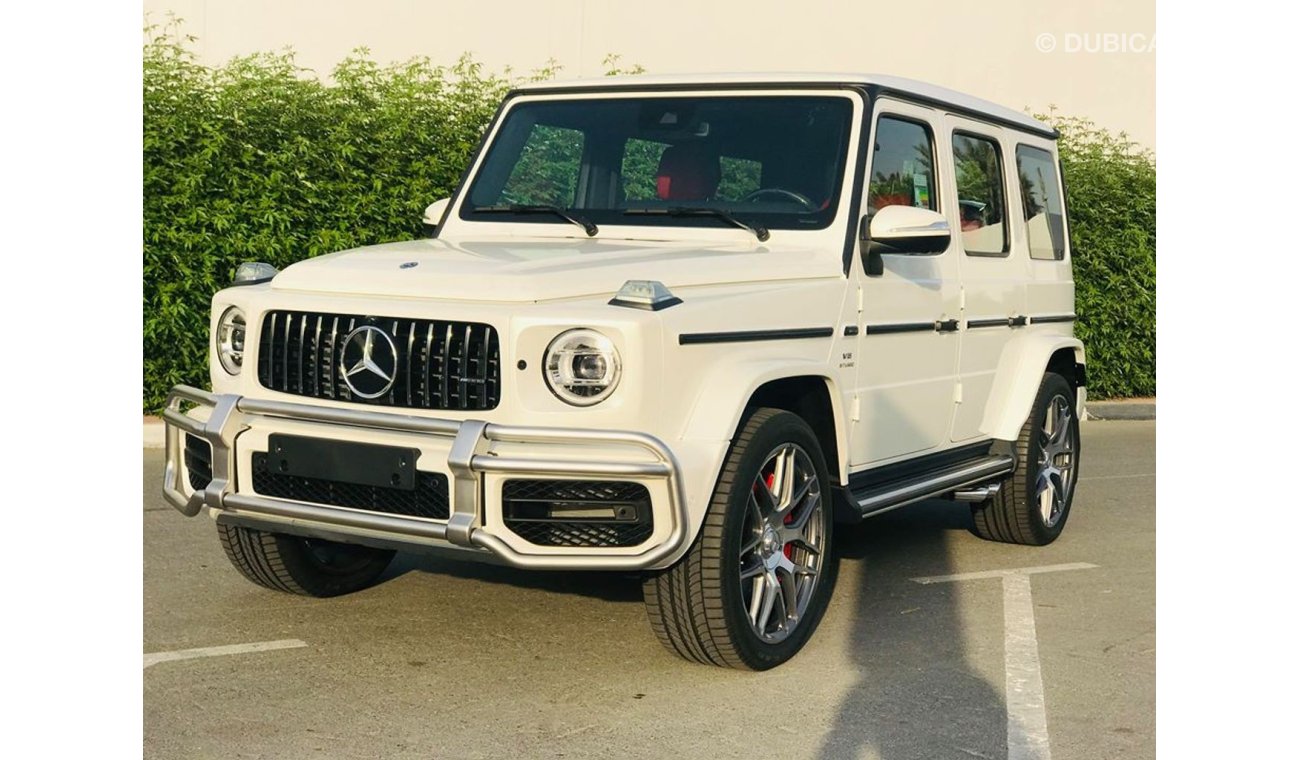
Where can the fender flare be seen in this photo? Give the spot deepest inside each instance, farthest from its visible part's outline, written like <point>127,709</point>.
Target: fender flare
<point>1019,373</point>
<point>717,412</point>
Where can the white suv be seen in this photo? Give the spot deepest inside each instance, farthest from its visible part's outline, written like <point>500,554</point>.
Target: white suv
<point>676,325</point>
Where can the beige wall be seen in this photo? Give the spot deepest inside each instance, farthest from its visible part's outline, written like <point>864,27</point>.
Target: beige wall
<point>988,48</point>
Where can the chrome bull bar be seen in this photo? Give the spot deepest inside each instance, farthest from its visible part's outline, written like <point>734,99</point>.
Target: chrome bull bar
<point>467,462</point>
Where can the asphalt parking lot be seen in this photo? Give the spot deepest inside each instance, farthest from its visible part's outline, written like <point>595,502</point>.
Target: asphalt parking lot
<point>472,661</point>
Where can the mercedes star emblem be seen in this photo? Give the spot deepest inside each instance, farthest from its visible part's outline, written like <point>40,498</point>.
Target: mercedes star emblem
<point>369,362</point>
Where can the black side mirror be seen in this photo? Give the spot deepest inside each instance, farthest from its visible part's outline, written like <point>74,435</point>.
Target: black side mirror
<point>872,261</point>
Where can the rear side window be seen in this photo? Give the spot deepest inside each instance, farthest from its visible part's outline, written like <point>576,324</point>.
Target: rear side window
<point>980,194</point>
<point>902,166</point>
<point>1040,189</point>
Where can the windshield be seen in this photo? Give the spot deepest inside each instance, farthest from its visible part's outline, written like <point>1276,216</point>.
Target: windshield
<point>769,161</point>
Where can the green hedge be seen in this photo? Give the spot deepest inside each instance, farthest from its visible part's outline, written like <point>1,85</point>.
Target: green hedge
<point>262,160</point>
<point>1111,201</point>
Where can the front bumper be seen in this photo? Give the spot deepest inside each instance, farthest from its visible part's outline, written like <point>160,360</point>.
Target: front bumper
<point>476,452</point>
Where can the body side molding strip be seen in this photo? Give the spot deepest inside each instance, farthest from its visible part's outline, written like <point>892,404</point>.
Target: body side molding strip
<point>900,327</point>
<point>745,336</point>
<point>994,322</point>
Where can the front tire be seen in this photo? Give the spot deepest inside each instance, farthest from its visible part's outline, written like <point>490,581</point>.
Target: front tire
<point>1034,502</point>
<point>305,566</point>
<point>753,587</point>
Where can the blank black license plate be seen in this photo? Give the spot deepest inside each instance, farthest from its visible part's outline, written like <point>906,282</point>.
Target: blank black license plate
<point>365,464</point>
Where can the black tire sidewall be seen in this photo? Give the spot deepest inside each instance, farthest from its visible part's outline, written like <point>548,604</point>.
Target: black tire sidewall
<point>320,579</point>
<point>783,427</point>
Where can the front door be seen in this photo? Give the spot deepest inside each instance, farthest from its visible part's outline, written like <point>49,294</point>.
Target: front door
<point>908,341</point>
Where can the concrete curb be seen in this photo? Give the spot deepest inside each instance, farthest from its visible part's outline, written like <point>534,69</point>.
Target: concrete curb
<point>153,433</point>
<point>1127,409</point>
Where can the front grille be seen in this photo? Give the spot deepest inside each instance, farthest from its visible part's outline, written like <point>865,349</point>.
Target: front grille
<point>428,499</point>
<point>440,364</point>
<point>198,461</point>
<point>583,513</point>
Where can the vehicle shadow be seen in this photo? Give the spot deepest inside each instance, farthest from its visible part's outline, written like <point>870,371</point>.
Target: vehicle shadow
<point>606,586</point>
<point>917,695</point>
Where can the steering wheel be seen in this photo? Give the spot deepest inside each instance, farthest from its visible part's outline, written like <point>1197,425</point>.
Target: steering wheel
<point>782,193</point>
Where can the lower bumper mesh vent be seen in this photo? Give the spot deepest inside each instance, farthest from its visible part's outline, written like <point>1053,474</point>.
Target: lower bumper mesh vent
<point>429,498</point>
<point>581,513</point>
<point>198,461</point>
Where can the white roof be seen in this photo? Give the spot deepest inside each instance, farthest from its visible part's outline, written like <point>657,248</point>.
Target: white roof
<point>901,84</point>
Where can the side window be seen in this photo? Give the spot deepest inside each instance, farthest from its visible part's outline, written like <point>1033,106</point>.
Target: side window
<point>902,166</point>
<point>547,170</point>
<point>980,194</point>
<point>1041,192</point>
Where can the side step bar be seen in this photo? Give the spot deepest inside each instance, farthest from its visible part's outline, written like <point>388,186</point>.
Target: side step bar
<point>976,494</point>
<point>892,494</point>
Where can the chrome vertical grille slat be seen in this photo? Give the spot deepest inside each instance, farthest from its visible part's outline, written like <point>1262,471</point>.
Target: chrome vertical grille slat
<point>441,364</point>
<point>331,373</point>
<point>427,377</point>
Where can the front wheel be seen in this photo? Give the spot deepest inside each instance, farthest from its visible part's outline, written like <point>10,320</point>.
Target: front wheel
<point>306,566</point>
<point>757,580</point>
<point>1034,502</point>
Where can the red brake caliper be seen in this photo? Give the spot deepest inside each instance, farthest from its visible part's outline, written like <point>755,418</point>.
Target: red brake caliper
<point>789,518</point>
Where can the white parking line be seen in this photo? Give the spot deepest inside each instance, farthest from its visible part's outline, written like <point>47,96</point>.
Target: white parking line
<point>1004,573</point>
<point>1026,707</point>
<point>190,654</point>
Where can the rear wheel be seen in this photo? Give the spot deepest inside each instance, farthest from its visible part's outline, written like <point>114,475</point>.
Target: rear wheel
<point>1034,502</point>
<point>755,584</point>
<point>296,565</point>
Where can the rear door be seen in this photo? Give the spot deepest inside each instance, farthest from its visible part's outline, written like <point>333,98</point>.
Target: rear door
<point>907,348</point>
<point>992,258</point>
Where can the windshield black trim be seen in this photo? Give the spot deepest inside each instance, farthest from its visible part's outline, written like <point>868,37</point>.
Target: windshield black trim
<point>859,183</point>
<point>875,90</point>
<point>462,185</point>
<point>464,212</point>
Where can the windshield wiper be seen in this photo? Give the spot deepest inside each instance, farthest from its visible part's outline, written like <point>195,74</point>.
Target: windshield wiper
<point>535,208</point>
<point>758,230</point>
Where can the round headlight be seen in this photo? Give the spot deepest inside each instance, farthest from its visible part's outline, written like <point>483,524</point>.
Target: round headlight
<point>230,340</point>
<point>582,367</point>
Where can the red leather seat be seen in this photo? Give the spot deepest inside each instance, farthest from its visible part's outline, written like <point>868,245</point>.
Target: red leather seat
<point>688,172</point>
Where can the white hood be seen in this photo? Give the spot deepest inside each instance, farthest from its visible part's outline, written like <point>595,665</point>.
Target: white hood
<point>541,269</point>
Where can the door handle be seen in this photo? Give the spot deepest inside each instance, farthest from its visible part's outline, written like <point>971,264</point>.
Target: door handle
<point>949,325</point>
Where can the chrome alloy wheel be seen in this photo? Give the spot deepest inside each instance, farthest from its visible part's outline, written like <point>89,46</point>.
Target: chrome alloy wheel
<point>1057,442</point>
<point>784,535</point>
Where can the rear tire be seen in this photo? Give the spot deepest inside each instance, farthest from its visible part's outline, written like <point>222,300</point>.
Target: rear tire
<point>1034,502</point>
<point>306,566</point>
<point>754,585</point>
